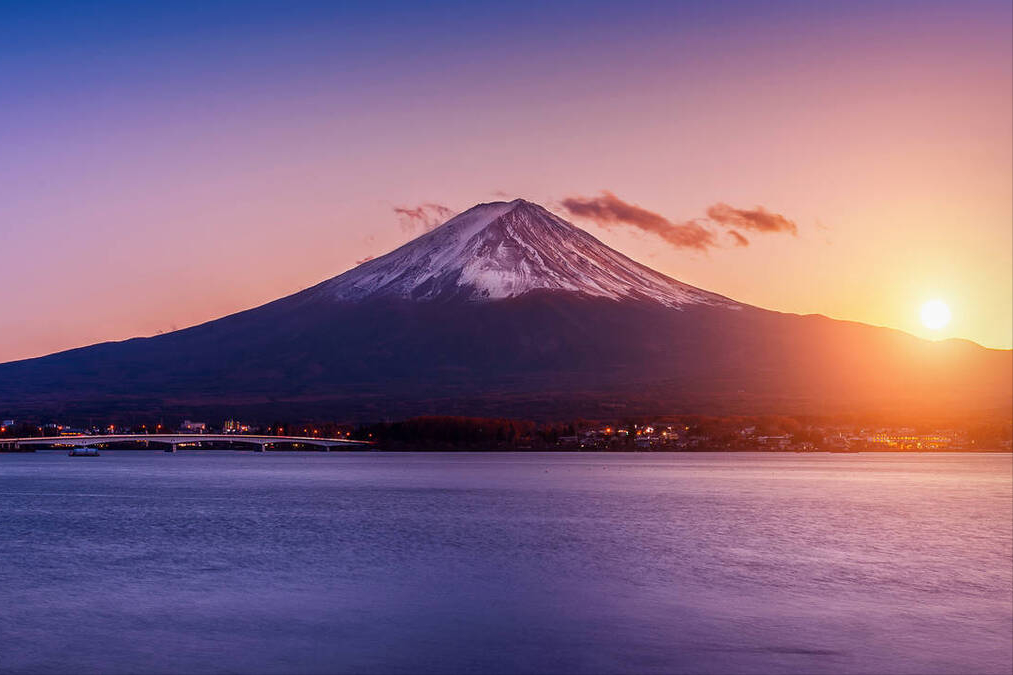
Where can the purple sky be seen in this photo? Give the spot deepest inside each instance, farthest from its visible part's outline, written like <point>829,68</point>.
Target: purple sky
<point>165,164</point>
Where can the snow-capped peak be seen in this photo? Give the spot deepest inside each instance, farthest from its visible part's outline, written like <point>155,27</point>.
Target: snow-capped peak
<point>504,250</point>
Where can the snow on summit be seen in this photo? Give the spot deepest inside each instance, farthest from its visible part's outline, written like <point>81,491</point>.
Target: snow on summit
<point>504,250</point>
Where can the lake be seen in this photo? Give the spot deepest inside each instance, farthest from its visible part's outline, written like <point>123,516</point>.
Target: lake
<point>214,562</point>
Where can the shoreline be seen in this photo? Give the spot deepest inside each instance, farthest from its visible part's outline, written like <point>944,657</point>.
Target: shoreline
<point>518,451</point>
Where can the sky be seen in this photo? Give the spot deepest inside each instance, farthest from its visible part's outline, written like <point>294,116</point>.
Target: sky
<point>164,164</point>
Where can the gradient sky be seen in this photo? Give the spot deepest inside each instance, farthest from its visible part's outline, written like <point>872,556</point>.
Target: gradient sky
<point>165,164</point>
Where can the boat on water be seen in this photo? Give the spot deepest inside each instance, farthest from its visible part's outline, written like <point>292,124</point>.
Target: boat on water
<point>83,452</point>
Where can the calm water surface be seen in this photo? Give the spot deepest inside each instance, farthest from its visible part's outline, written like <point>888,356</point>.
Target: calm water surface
<point>139,562</point>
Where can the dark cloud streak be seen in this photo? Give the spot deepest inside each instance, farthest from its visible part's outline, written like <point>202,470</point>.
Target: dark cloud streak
<point>609,211</point>
<point>739,239</point>
<point>757,220</point>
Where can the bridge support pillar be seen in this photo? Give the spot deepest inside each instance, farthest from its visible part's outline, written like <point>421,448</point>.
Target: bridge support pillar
<point>172,447</point>
<point>261,447</point>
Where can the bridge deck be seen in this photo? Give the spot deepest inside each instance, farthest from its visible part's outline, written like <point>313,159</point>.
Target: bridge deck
<point>179,439</point>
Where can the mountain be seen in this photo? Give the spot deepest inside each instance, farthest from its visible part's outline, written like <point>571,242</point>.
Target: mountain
<point>504,250</point>
<point>507,309</point>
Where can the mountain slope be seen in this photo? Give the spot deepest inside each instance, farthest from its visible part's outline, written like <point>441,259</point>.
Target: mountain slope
<point>504,250</point>
<point>507,309</point>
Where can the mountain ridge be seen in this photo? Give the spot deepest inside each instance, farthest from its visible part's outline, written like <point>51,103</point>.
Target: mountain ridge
<point>507,310</point>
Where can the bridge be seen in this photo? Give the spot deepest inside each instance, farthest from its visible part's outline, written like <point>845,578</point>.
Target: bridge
<point>174,441</point>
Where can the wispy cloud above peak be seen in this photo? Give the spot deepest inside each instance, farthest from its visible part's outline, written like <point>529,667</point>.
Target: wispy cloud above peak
<point>608,210</point>
<point>758,219</point>
<point>423,217</point>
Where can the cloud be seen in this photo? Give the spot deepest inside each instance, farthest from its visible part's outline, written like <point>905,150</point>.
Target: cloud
<point>366,259</point>
<point>424,216</point>
<point>608,210</point>
<point>757,220</point>
<point>739,239</point>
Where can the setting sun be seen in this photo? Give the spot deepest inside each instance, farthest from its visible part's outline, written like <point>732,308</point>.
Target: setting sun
<point>935,314</point>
